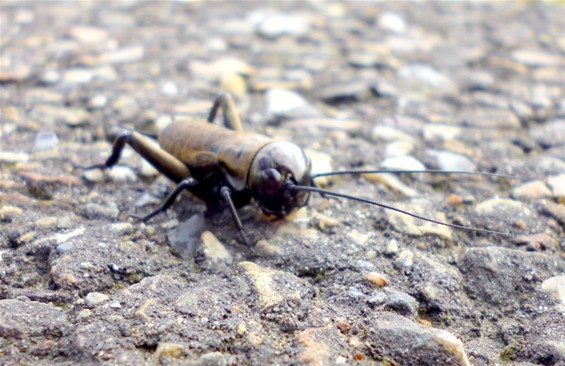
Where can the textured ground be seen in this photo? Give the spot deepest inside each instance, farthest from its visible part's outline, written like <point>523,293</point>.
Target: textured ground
<point>465,86</point>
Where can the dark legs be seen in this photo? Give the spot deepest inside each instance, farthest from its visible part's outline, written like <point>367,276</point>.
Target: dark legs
<point>231,117</point>
<point>226,194</point>
<point>188,183</point>
<point>149,150</point>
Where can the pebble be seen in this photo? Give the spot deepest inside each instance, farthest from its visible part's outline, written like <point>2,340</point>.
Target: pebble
<point>402,340</point>
<point>405,162</point>
<point>391,248</point>
<point>276,25</point>
<point>400,302</point>
<point>98,211</point>
<point>383,89</point>
<point>426,76</point>
<point>416,227</point>
<point>99,101</point>
<point>272,287</point>
<point>45,140</point>
<point>377,279</point>
<point>392,22</point>
<point>9,213</point>
<point>169,350</point>
<point>447,160</point>
<point>538,58</point>
<point>87,75</point>
<point>88,34</point>
<point>343,92</point>
<point>214,250</point>
<point>531,191</point>
<point>393,182</point>
<point>390,134</point>
<point>25,319</point>
<point>122,174</point>
<point>11,157</point>
<point>549,134</point>
<point>83,314</point>
<point>557,185</point>
<point>286,104</point>
<point>123,55</point>
<point>208,359</point>
<point>93,175</point>
<point>95,298</point>
<point>555,286</point>
<point>185,238</point>
<point>122,228</point>
<point>398,148</point>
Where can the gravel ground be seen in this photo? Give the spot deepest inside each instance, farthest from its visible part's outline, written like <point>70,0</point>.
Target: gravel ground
<point>468,86</point>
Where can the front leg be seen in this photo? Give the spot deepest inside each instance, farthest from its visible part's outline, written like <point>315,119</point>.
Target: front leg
<point>231,116</point>
<point>226,194</point>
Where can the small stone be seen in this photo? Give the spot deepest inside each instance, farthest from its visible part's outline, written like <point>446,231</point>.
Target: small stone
<point>124,55</point>
<point>122,174</point>
<point>400,303</point>
<point>88,34</point>
<point>344,92</point>
<point>265,248</point>
<point>276,25</point>
<point>389,134</point>
<point>98,211</point>
<point>272,287</point>
<point>122,228</point>
<point>377,279</point>
<point>391,247</point>
<point>93,175</point>
<point>11,157</point>
<point>214,250</point>
<point>9,213</point>
<point>83,314</point>
<point>147,170</point>
<point>169,88</point>
<point>537,58</point>
<point>45,140</point>
<point>531,191</point>
<point>416,227</point>
<point>241,329</point>
<point>398,148</point>
<point>424,76</point>
<point>85,75</point>
<point>402,163</point>
<point>405,342</point>
<point>555,286</point>
<point>25,319</point>
<point>95,298</point>
<point>447,160</point>
<point>405,259</point>
<point>169,350</point>
<point>208,359</point>
<point>393,182</point>
<point>98,102</point>
<point>557,185</point>
<point>286,104</point>
<point>392,22</point>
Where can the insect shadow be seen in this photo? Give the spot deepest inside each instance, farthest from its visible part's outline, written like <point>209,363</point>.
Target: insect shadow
<point>229,167</point>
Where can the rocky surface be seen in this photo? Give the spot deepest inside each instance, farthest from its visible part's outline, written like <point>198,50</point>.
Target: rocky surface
<point>474,86</point>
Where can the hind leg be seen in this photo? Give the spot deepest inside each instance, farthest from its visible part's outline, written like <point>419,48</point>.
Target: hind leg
<point>231,116</point>
<point>164,162</point>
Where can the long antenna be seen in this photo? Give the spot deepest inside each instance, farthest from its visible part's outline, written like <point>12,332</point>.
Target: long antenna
<point>293,187</point>
<point>394,171</point>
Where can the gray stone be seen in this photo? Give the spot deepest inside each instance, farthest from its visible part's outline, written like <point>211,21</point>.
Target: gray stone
<point>98,211</point>
<point>22,319</point>
<point>402,341</point>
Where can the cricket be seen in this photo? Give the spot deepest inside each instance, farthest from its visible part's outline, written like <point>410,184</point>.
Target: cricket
<point>227,167</point>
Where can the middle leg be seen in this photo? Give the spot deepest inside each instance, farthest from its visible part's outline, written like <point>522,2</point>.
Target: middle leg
<point>231,116</point>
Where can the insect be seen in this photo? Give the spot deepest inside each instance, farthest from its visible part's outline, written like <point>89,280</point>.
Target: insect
<point>227,167</point>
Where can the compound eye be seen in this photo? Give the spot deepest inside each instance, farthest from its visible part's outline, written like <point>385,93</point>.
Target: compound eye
<point>271,181</point>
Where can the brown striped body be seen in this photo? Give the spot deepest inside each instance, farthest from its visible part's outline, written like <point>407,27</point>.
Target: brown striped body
<point>203,146</point>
